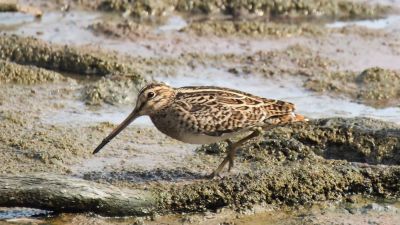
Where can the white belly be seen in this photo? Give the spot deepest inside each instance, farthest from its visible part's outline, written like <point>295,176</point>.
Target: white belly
<point>201,138</point>
<point>173,130</point>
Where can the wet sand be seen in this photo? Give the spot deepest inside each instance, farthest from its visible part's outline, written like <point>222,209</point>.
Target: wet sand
<point>66,88</point>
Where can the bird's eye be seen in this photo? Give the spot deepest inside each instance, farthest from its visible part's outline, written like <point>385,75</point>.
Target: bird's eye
<point>150,95</point>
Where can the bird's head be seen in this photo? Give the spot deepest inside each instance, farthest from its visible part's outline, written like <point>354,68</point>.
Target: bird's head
<point>151,99</point>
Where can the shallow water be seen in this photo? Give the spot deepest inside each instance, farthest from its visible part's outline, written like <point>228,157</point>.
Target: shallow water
<point>9,213</point>
<point>173,23</point>
<point>392,21</point>
<point>65,28</point>
<point>55,27</point>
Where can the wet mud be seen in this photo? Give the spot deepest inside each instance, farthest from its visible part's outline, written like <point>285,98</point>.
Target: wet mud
<point>32,51</point>
<point>253,29</point>
<point>8,6</point>
<point>40,148</point>
<point>56,100</point>
<point>373,86</point>
<point>377,87</point>
<point>302,164</point>
<point>20,74</point>
<point>143,9</point>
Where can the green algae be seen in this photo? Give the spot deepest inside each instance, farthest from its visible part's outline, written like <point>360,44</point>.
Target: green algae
<point>20,74</point>
<point>373,86</point>
<point>31,51</point>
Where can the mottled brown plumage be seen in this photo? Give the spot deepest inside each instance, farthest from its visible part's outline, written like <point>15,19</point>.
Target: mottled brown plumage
<point>207,114</point>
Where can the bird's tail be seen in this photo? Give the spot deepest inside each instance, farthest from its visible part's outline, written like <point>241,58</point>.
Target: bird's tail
<point>299,118</point>
<point>292,117</point>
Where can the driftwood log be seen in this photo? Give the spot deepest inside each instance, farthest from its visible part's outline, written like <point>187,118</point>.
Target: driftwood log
<point>65,194</point>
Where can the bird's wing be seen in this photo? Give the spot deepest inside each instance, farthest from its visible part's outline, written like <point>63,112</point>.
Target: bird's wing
<point>217,112</point>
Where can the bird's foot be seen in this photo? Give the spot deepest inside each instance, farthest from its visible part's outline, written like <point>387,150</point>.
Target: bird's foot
<point>213,175</point>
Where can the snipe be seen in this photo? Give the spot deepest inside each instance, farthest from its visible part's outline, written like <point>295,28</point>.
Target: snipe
<point>207,114</point>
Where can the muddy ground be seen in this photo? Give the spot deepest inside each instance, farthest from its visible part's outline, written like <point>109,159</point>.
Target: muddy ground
<point>61,94</point>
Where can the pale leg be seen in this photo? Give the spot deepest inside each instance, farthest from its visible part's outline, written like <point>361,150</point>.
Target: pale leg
<point>232,153</point>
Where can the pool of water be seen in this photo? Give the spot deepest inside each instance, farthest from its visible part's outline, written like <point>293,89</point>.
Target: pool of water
<point>392,21</point>
<point>17,212</point>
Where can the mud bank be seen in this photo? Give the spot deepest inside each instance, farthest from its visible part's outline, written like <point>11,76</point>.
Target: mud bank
<point>31,51</point>
<point>143,9</point>
<point>222,28</point>
<point>292,184</point>
<point>374,86</point>
<point>363,140</point>
<point>125,30</point>
<point>290,166</point>
<point>111,90</point>
<point>285,169</point>
<point>29,146</point>
<point>8,6</point>
<point>20,74</point>
<point>256,23</point>
<point>292,61</point>
<point>13,6</point>
<point>253,29</point>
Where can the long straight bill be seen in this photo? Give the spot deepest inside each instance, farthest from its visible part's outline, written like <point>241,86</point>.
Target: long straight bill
<point>116,131</point>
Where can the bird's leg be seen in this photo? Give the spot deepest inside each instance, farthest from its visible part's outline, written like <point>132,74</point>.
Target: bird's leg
<point>232,152</point>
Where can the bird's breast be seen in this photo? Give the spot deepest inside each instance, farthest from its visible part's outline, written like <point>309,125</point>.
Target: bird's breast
<point>183,129</point>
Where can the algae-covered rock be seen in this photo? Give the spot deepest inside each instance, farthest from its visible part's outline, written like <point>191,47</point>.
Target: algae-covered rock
<point>31,51</point>
<point>373,86</point>
<point>20,74</point>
